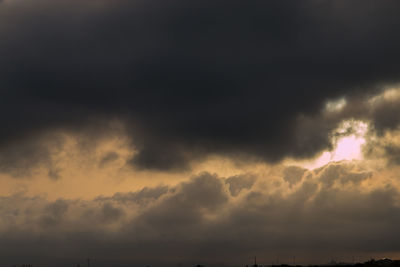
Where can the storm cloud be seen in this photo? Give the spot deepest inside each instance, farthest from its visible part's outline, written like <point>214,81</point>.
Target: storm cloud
<point>190,79</point>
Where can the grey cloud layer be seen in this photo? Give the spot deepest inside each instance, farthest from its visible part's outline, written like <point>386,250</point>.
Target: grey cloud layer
<point>191,78</point>
<point>209,218</point>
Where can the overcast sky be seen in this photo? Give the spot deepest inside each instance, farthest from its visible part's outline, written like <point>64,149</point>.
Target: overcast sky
<point>161,132</point>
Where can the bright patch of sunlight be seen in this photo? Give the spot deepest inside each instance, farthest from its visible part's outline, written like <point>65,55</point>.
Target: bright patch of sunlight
<point>348,140</point>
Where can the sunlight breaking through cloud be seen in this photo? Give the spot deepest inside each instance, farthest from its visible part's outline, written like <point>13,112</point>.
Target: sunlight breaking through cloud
<point>348,140</point>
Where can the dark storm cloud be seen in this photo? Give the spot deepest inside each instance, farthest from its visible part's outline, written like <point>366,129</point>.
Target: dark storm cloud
<point>386,116</point>
<point>191,78</point>
<point>18,157</point>
<point>202,219</point>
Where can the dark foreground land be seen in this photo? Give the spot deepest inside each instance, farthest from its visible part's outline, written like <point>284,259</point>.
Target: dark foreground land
<point>370,263</point>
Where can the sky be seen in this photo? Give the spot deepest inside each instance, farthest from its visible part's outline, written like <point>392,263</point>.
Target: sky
<point>175,132</point>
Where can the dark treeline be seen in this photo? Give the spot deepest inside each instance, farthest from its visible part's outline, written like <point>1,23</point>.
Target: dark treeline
<point>371,263</point>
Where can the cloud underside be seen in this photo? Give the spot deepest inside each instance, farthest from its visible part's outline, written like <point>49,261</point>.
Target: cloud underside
<point>211,218</point>
<point>190,79</point>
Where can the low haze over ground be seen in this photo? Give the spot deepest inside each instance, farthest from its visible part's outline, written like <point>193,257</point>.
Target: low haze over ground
<point>165,132</point>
